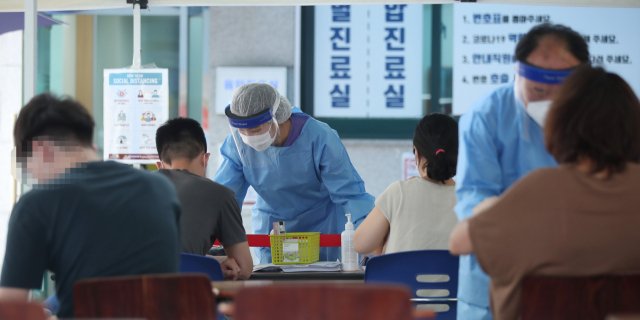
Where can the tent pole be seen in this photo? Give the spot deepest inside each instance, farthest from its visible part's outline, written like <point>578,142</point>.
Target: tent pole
<point>136,36</point>
<point>183,60</point>
<point>30,37</point>
<point>297,52</point>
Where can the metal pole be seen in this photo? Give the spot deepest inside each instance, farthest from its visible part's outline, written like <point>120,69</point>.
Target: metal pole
<point>436,53</point>
<point>30,37</point>
<point>136,37</point>
<point>184,37</point>
<point>205,70</point>
<point>296,57</point>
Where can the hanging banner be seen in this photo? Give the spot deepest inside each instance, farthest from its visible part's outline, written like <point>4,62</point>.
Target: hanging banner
<point>485,38</point>
<point>368,61</point>
<point>136,103</point>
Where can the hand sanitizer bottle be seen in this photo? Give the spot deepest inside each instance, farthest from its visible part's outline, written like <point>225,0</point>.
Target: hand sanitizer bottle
<point>349,254</point>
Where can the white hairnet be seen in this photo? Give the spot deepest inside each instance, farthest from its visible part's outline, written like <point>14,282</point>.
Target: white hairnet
<point>253,98</point>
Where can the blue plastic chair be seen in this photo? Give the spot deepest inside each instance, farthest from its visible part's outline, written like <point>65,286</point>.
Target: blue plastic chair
<point>411,268</point>
<point>191,263</point>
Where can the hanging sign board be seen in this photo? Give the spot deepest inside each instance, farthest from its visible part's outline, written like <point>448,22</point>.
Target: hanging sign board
<point>368,61</point>
<point>230,78</point>
<point>136,103</point>
<point>485,38</point>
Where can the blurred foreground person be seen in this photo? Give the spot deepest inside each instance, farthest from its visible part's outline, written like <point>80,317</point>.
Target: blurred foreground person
<point>501,139</point>
<point>85,218</point>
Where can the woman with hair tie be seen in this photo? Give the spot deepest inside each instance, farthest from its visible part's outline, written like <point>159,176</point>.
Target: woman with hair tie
<point>417,214</point>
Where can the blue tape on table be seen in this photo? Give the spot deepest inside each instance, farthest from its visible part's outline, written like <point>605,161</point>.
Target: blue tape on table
<point>553,77</point>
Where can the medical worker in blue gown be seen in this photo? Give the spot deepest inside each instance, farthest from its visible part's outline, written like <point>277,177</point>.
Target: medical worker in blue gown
<point>297,165</point>
<point>501,139</point>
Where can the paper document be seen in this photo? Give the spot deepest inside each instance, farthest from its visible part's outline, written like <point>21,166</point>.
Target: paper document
<point>320,266</point>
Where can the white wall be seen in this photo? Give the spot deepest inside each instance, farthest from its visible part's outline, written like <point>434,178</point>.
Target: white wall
<point>10,103</point>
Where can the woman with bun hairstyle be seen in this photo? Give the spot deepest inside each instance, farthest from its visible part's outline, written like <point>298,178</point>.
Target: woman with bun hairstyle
<point>417,214</point>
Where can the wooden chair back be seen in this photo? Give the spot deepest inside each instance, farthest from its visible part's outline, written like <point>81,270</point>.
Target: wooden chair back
<point>585,298</point>
<point>153,297</point>
<point>321,302</point>
<point>21,311</point>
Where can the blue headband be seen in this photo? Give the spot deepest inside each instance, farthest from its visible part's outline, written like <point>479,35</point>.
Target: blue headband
<point>248,122</point>
<point>545,76</point>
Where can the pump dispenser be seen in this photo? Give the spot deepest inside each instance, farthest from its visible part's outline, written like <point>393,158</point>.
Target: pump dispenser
<point>349,254</point>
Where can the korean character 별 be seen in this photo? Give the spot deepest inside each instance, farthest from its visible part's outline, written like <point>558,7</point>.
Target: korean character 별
<point>341,13</point>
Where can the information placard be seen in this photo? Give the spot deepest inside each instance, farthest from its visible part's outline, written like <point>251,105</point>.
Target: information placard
<point>368,61</point>
<point>485,37</point>
<point>136,102</point>
<point>230,78</point>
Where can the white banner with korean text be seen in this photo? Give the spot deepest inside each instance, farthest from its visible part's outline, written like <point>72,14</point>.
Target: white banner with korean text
<point>486,36</point>
<point>368,61</point>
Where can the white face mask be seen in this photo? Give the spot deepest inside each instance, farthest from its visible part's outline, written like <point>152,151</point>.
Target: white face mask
<point>538,110</point>
<point>260,142</point>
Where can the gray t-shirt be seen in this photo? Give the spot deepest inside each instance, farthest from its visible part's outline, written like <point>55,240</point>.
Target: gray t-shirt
<point>209,212</point>
<point>420,215</point>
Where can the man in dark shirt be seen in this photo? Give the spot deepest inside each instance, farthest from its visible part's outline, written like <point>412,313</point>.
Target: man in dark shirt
<point>209,209</point>
<point>84,218</point>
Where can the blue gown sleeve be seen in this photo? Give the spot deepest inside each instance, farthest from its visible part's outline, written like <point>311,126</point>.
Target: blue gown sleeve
<point>341,179</point>
<point>230,173</point>
<point>479,173</point>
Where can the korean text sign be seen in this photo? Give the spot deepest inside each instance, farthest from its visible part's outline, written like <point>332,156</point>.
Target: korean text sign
<point>228,79</point>
<point>485,37</point>
<point>368,61</point>
<point>135,105</point>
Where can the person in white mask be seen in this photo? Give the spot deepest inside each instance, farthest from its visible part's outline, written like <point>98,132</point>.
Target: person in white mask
<point>500,139</point>
<point>297,165</point>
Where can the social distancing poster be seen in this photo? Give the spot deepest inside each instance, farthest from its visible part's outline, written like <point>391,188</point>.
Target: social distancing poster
<point>136,103</point>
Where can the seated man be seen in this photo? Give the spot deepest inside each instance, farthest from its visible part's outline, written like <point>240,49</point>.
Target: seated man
<point>209,209</point>
<point>85,218</point>
<point>580,219</point>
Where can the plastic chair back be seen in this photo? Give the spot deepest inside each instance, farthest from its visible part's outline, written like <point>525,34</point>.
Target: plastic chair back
<point>191,263</point>
<point>21,311</point>
<point>431,275</point>
<point>152,297</point>
<point>585,298</point>
<point>322,302</point>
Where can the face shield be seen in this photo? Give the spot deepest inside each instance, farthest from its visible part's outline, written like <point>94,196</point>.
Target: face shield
<point>535,87</point>
<point>255,133</point>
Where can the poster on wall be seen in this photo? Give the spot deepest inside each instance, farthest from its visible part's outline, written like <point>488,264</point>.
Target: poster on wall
<point>409,168</point>
<point>485,37</point>
<point>136,103</point>
<point>368,61</point>
<point>230,78</point>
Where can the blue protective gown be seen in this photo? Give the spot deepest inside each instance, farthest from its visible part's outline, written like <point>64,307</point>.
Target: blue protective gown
<point>310,185</point>
<point>498,143</point>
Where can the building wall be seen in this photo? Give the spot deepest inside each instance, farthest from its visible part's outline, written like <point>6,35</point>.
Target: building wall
<point>266,38</point>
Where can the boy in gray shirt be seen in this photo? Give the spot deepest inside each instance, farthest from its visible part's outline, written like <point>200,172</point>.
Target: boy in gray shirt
<point>209,209</point>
